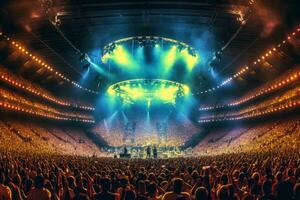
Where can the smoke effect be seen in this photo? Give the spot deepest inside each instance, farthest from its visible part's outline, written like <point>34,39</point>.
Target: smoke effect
<point>270,18</point>
<point>201,38</point>
<point>204,44</point>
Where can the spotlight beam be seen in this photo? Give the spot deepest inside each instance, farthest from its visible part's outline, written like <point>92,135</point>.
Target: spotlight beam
<point>100,70</point>
<point>148,90</point>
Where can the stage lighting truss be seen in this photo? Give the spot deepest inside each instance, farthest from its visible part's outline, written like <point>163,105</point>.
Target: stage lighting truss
<point>152,41</point>
<point>148,91</point>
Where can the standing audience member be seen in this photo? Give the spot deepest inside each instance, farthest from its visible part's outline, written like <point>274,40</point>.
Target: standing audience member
<point>177,191</point>
<point>5,192</point>
<point>39,192</point>
<point>105,193</point>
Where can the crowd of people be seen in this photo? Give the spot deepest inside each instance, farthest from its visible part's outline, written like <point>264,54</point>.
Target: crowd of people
<point>259,162</point>
<point>178,131</point>
<point>287,79</point>
<point>7,77</point>
<point>265,176</point>
<point>50,162</point>
<point>26,137</point>
<point>286,100</point>
<point>46,160</point>
<point>270,136</point>
<point>15,99</point>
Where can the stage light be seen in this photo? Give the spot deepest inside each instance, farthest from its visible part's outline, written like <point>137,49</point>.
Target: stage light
<point>180,47</point>
<point>137,93</point>
<point>143,90</point>
<point>190,60</point>
<point>170,57</point>
<point>105,57</point>
<point>218,55</point>
<point>111,91</point>
<point>121,56</point>
<point>186,89</point>
<point>168,93</point>
<point>128,52</point>
<point>83,57</point>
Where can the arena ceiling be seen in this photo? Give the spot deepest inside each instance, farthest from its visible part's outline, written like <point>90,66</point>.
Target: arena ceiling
<point>60,31</point>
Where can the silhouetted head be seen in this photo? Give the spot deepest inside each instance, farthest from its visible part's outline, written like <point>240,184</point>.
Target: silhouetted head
<point>105,184</point>
<point>39,182</point>
<point>177,185</point>
<point>201,193</point>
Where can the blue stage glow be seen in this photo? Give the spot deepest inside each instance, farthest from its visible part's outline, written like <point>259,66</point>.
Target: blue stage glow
<point>112,117</point>
<point>148,120</point>
<point>135,56</point>
<point>86,73</point>
<point>145,58</point>
<point>124,116</point>
<point>100,70</point>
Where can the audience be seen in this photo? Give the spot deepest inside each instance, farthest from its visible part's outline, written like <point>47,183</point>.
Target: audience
<point>39,192</point>
<point>17,81</point>
<point>43,109</point>
<point>17,136</point>
<point>5,192</point>
<point>285,100</point>
<point>269,136</point>
<point>178,131</point>
<point>266,175</point>
<point>246,163</point>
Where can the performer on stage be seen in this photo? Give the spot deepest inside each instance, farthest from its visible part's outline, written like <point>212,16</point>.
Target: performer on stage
<point>125,151</point>
<point>154,152</point>
<point>148,150</point>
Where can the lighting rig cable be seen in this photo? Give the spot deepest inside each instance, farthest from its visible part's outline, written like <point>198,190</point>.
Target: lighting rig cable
<point>57,54</point>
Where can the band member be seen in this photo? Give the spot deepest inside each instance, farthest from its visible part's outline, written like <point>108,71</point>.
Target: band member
<point>125,151</point>
<point>155,152</point>
<point>148,151</point>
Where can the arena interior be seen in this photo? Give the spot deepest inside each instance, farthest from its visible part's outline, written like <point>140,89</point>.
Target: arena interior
<point>149,100</point>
